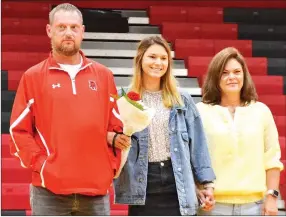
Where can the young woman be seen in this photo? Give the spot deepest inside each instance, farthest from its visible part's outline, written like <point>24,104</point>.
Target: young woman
<point>242,139</point>
<point>173,151</point>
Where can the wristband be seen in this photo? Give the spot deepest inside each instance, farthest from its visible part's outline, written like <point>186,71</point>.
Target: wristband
<point>113,143</point>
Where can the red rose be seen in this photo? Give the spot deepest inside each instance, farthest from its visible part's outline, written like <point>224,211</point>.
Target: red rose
<point>133,96</point>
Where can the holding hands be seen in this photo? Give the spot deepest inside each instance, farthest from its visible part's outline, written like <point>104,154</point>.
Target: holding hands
<point>270,206</point>
<point>206,198</point>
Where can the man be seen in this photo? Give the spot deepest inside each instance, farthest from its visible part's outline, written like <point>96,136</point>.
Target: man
<point>62,119</point>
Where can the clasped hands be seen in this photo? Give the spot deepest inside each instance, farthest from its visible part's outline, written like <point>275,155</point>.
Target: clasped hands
<point>206,198</point>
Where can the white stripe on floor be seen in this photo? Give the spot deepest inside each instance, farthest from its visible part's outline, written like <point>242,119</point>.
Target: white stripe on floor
<point>112,53</point>
<point>138,20</point>
<point>117,36</point>
<point>129,71</point>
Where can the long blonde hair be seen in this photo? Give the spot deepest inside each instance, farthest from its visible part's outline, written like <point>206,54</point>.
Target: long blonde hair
<point>168,83</point>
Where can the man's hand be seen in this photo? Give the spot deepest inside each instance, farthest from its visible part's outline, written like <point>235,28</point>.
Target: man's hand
<point>270,206</point>
<point>206,197</point>
<point>121,141</point>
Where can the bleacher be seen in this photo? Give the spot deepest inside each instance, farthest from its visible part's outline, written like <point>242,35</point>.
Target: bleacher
<point>196,30</point>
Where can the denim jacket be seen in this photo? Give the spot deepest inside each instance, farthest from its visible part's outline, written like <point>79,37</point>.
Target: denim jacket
<point>189,156</point>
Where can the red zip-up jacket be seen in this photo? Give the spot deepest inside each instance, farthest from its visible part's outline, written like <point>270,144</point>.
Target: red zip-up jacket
<point>59,127</point>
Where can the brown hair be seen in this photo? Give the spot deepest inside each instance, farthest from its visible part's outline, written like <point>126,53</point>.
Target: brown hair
<point>211,89</point>
<point>64,7</point>
<point>171,95</point>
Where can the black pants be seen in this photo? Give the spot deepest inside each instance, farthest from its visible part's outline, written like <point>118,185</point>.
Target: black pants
<point>161,195</point>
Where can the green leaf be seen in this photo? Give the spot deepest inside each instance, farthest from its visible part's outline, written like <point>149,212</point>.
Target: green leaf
<point>134,103</point>
<point>123,92</point>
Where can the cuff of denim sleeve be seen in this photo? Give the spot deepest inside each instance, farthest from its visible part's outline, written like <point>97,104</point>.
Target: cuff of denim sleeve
<point>39,163</point>
<point>205,175</point>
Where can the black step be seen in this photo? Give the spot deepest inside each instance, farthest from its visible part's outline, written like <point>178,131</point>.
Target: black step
<point>13,212</point>
<point>144,29</point>
<point>7,100</point>
<point>271,49</point>
<point>255,16</point>
<point>277,66</point>
<point>262,32</point>
<point>5,122</point>
<point>4,80</point>
<point>104,21</point>
<point>132,13</point>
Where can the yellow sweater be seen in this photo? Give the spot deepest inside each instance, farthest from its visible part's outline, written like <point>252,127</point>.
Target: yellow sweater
<point>241,149</point>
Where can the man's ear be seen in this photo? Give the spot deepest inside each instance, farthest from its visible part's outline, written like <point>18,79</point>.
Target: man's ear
<point>83,28</point>
<point>48,30</point>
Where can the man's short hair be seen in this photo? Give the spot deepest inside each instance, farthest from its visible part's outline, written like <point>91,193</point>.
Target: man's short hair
<point>64,7</point>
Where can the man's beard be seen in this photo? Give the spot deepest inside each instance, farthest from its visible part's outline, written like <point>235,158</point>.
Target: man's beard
<point>65,50</point>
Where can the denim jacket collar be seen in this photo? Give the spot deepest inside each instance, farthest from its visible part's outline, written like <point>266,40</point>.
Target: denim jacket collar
<point>179,107</point>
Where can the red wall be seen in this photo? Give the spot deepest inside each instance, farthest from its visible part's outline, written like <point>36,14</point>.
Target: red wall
<point>137,4</point>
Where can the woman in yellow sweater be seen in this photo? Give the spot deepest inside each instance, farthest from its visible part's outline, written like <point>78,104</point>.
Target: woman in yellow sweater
<point>242,138</point>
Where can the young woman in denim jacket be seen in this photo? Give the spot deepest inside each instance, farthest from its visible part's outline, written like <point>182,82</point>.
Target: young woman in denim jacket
<point>173,152</point>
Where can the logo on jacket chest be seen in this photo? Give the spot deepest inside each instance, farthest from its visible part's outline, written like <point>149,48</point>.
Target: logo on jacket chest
<point>57,85</point>
<point>92,85</point>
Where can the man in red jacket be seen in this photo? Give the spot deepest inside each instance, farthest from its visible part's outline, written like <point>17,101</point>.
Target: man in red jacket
<point>62,121</point>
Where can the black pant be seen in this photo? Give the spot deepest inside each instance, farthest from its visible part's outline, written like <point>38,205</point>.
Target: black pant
<point>161,195</point>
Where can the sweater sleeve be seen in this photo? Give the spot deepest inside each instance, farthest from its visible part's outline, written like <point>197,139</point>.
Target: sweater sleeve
<point>22,143</point>
<point>272,152</point>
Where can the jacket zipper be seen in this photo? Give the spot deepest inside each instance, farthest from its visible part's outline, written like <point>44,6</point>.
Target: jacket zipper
<point>73,86</point>
<point>72,79</point>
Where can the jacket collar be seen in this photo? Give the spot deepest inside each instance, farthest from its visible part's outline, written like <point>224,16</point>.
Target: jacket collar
<point>54,65</point>
<point>179,107</point>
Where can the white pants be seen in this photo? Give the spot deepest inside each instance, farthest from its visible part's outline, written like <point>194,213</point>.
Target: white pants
<point>235,209</point>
